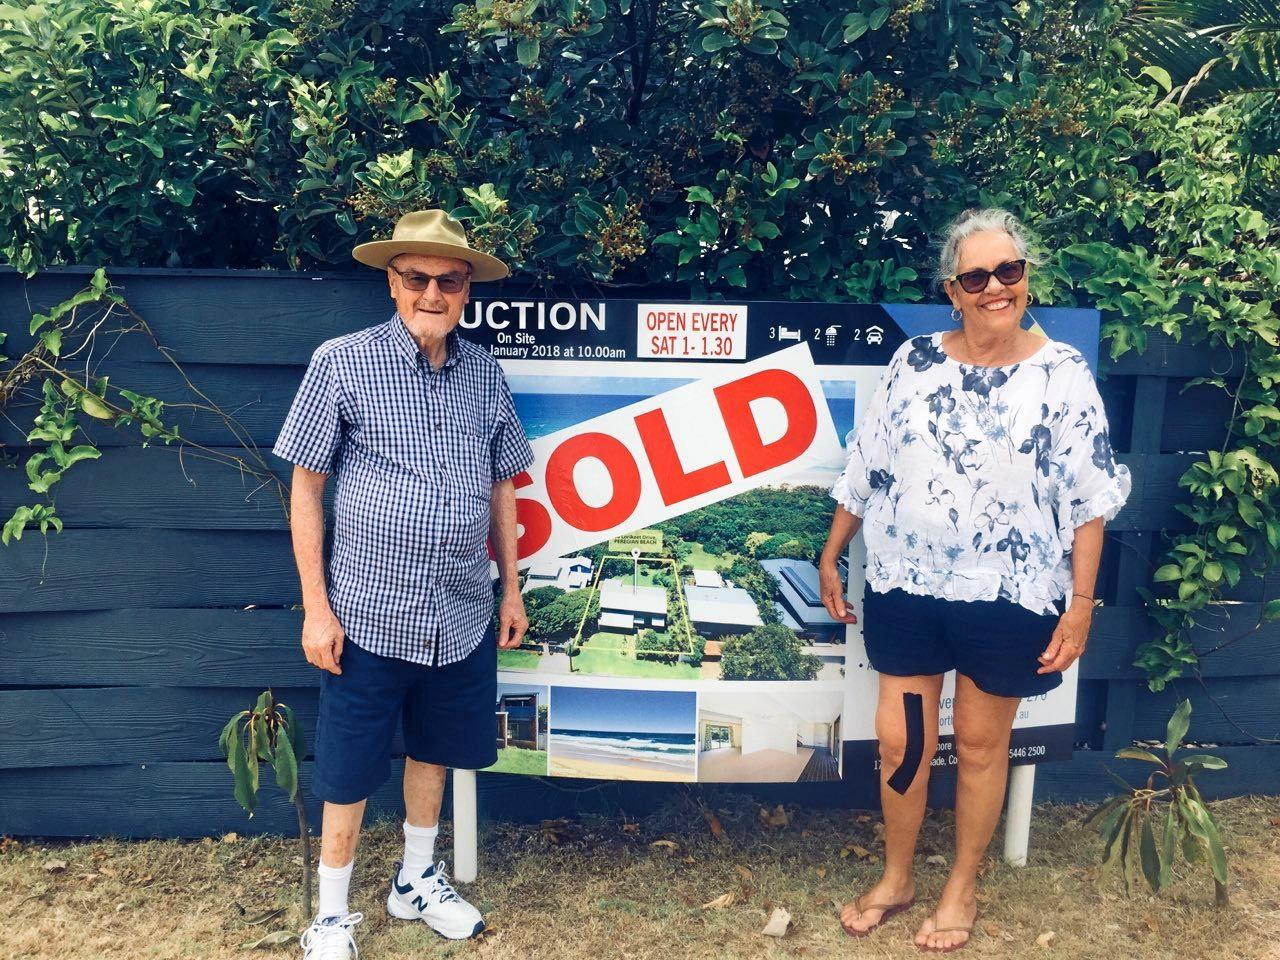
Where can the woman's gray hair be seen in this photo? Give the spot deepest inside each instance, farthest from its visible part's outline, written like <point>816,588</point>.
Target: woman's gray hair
<point>979,220</point>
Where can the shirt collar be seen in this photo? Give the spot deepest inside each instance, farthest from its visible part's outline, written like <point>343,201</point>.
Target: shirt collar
<point>408,347</point>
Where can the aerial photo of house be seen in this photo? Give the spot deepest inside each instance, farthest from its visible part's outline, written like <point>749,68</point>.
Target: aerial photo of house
<point>522,713</point>
<point>769,737</point>
<point>725,592</point>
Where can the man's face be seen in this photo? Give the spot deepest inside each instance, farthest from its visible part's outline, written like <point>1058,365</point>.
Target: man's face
<point>431,312</point>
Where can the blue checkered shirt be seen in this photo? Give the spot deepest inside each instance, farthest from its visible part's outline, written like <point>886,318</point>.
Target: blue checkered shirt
<point>415,453</point>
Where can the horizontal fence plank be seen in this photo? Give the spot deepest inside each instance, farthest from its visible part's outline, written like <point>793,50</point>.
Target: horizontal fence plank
<point>1223,710</point>
<point>167,488</point>
<point>1249,652</point>
<point>175,648</point>
<point>224,319</point>
<point>159,488</point>
<point>109,569</point>
<point>1167,357</point>
<point>195,800</point>
<point>1250,770</point>
<point>71,727</point>
<point>257,397</point>
<point>227,648</point>
<point>1195,418</point>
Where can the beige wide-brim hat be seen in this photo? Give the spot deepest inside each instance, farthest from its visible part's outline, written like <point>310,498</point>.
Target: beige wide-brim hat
<point>435,234</point>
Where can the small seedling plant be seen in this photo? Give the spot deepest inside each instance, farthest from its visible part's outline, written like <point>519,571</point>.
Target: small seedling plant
<point>1144,828</point>
<point>269,734</point>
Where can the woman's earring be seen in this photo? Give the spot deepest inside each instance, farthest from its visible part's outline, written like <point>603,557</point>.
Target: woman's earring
<point>956,315</point>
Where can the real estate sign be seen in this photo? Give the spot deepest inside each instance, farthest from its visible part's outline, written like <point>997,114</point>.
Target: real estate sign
<point>669,530</point>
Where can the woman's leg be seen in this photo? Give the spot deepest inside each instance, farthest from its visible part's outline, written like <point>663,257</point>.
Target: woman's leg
<point>982,726</point>
<point>904,811</point>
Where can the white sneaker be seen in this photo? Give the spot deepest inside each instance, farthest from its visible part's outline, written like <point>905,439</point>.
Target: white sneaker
<point>432,900</point>
<point>329,938</point>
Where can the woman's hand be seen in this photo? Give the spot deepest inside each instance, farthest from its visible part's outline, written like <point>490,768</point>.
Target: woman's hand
<point>1070,637</point>
<point>832,591</point>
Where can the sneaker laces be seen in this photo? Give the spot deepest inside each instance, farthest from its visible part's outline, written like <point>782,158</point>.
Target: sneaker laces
<point>441,889</point>
<point>332,939</point>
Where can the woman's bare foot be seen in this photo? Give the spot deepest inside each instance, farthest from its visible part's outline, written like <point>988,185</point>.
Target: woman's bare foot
<point>949,926</point>
<point>885,895</point>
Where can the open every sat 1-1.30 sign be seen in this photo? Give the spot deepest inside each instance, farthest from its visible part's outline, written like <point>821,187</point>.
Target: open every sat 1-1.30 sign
<point>669,531</point>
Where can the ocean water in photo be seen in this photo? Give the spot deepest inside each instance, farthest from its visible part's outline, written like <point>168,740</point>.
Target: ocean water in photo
<point>673,750</point>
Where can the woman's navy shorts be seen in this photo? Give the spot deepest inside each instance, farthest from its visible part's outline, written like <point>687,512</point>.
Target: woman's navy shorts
<point>995,643</point>
<point>446,713</point>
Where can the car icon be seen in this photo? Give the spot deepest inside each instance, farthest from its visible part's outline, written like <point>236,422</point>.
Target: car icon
<point>875,336</point>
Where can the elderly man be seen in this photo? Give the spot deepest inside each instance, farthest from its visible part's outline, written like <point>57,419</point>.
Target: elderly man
<point>418,428</point>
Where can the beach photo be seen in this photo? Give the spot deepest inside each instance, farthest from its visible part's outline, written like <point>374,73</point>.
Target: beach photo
<point>521,715</point>
<point>768,737</point>
<point>623,734</point>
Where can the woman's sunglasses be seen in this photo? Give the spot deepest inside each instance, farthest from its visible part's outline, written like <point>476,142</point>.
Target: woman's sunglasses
<point>447,282</point>
<point>975,281</point>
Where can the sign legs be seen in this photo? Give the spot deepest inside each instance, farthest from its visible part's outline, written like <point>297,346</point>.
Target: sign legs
<point>1017,819</point>
<point>465,842</point>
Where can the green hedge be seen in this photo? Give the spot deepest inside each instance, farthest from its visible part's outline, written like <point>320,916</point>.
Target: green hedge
<point>757,148</point>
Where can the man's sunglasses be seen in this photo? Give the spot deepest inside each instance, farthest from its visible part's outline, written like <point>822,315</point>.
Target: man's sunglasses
<point>447,282</point>
<point>975,281</point>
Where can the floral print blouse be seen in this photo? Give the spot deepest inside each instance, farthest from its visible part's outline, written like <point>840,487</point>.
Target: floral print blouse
<point>971,480</point>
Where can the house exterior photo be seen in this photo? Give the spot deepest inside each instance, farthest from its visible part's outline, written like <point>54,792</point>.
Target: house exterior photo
<point>799,601</point>
<point>628,609</point>
<point>566,573</point>
<point>518,723</point>
<point>721,610</point>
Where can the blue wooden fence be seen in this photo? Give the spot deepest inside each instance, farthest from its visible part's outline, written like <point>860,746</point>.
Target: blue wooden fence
<point>167,602</point>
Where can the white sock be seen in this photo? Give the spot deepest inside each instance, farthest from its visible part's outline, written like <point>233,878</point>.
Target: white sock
<point>334,882</point>
<point>419,849</point>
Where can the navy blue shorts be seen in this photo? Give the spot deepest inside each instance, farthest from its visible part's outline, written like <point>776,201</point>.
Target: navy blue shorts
<point>995,643</point>
<point>446,713</point>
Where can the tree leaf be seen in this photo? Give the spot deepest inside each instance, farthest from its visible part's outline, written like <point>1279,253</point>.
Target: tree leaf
<point>1168,846</point>
<point>285,765</point>
<point>246,787</point>
<point>1206,761</point>
<point>1151,864</point>
<point>527,50</point>
<point>1177,728</point>
<point>1136,753</point>
<point>1160,75</point>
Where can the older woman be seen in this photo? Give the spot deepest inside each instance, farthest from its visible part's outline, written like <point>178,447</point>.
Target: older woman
<point>980,475</point>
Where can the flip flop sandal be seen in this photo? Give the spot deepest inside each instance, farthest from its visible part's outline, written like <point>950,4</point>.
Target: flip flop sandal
<point>890,910</point>
<point>938,929</point>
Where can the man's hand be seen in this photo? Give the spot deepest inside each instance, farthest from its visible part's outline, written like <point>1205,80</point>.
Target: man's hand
<point>322,637</point>
<point>512,622</point>
<point>1070,637</point>
<point>832,591</point>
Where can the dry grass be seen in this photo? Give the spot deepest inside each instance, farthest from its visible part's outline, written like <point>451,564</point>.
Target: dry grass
<point>598,890</point>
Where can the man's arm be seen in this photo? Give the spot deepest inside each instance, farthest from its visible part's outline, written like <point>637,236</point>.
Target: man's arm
<point>322,634</point>
<point>512,622</point>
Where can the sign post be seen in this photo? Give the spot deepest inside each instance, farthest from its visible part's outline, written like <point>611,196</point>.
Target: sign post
<point>466,842</point>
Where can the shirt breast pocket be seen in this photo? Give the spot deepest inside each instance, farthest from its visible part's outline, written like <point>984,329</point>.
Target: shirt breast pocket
<point>473,473</point>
